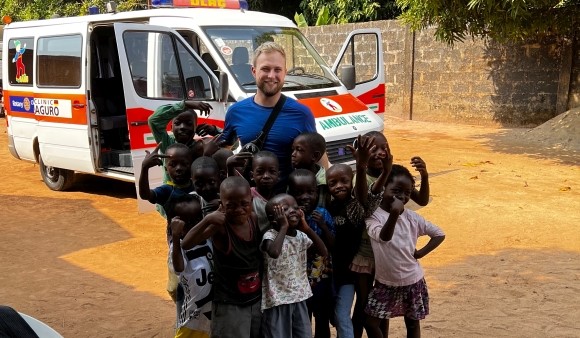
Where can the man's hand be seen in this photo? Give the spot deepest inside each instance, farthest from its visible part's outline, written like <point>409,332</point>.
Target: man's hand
<point>199,105</point>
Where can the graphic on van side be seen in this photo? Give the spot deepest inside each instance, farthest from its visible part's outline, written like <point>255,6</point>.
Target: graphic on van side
<point>22,104</point>
<point>20,61</point>
<point>331,105</point>
<point>41,106</point>
<point>21,76</point>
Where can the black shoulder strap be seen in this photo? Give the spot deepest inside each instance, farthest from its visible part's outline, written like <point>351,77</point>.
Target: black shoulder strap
<point>261,139</point>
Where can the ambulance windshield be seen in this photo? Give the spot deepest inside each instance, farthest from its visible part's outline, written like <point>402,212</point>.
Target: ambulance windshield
<point>306,69</point>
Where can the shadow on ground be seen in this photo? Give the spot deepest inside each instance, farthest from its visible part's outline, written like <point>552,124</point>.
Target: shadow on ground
<point>34,279</point>
<point>104,186</point>
<point>513,141</point>
<point>512,293</point>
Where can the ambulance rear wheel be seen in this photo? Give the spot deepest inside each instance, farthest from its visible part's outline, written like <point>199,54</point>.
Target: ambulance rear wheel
<point>55,178</point>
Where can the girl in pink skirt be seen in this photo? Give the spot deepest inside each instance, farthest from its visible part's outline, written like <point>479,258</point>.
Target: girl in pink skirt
<point>400,288</point>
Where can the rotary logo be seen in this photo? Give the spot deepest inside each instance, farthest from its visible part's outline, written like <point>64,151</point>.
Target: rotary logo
<point>26,103</point>
<point>330,105</point>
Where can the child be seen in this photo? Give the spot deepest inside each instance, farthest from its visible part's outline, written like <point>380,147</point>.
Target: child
<point>286,288</point>
<point>237,261</point>
<point>349,214</point>
<point>363,263</point>
<point>421,197</point>
<point>184,121</point>
<point>193,267</point>
<point>265,171</point>
<point>206,182</point>
<point>400,288</point>
<point>302,186</point>
<point>221,156</point>
<point>178,160</point>
<point>307,150</point>
<point>178,163</point>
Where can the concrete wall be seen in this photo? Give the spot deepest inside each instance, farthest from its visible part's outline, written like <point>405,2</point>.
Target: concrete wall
<point>477,82</point>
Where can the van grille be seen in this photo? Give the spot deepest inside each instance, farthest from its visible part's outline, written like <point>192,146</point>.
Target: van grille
<point>338,152</point>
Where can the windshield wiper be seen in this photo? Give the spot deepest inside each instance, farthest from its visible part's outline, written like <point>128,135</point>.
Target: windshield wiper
<point>312,75</point>
<point>300,85</point>
<point>249,83</point>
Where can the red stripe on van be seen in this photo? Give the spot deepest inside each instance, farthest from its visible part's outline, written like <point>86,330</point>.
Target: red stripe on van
<point>375,96</point>
<point>346,104</point>
<point>137,119</point>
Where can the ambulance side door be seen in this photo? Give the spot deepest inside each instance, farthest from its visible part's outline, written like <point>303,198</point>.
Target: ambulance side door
<point>363,49</point>
<point>158,67</point>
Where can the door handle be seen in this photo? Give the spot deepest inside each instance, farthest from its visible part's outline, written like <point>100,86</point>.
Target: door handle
<point>138,123</point>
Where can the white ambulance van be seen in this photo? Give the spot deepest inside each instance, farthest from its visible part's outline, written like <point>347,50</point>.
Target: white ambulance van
<point>78,91</point>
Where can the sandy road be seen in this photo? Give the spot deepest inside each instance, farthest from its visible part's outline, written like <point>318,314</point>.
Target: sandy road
<point>88,265</point>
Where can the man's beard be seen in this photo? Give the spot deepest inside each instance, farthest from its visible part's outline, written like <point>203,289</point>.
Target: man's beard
<point>268,90</point>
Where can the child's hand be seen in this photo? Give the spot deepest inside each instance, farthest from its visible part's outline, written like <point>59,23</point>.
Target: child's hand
<point>419,165</point>
<point>280,216</point>
<point>205,129</point>
<point>211,206</point>
<point>362,152</point>
<point>417,254</point>
<point>238,160</point>
<point>319,219</point>
<point>217,217</point>
<point>302,225</point>
<point>213,145</point>
<point>397,206</point>
<point>394,205</point>
<point>176,226</point>
<point>198,105</point>
<point>387,162</point>
<point>153,159</point>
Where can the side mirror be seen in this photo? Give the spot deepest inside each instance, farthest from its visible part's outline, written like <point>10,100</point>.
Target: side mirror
<point>224,87</point>
<point>348,76</point>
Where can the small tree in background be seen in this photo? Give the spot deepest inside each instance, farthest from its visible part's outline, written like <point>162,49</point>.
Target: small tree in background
<point>501,20</point>
<point>348,11</point>
<point>23,10</point>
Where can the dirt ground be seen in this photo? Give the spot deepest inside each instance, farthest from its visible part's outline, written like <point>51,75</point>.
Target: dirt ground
<point>88,265</point>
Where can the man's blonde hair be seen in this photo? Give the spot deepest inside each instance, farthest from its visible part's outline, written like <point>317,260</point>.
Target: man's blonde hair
<point>268,47</point>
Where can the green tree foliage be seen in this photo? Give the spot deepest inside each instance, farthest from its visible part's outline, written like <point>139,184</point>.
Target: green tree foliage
<point>346,11</point>
<point>323,18</point>
<point>501,20</point>
<point>22,10</point>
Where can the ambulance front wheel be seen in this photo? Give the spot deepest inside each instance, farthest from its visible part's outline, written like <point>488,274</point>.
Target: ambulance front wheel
<point>55,178</point>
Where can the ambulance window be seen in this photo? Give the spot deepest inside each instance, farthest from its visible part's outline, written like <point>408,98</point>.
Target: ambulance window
<point>172,85</point>
<point>197,81</point>
<point>361,52</point>
<point>136,48</point>
<point>20,65</point>
<point>59,61</point>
